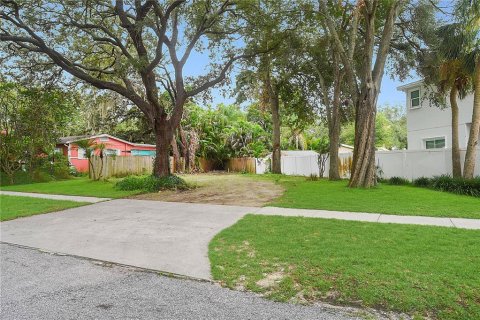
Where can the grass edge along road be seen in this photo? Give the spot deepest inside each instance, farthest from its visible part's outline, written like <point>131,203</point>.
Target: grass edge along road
<point>419,270</point>
<point>12,207</point>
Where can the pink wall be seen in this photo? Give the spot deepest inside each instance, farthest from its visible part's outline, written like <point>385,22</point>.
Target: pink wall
<point>82,164</point>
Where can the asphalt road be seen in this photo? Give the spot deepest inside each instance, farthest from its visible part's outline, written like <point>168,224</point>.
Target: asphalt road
<point>38,285</point>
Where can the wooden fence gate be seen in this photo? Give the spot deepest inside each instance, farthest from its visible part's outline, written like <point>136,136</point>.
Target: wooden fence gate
<point>241,165</point>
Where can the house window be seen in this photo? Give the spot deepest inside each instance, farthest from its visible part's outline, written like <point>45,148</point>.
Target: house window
<point>415,99</point>
<point>112,152</point>
<point>150,153</point>
<point>81,153</point>
<point>103,139</point>
<point>435,143</point>
<point>58,150</point>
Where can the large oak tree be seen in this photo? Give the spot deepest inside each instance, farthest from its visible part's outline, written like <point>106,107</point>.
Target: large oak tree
<point>135,48</point>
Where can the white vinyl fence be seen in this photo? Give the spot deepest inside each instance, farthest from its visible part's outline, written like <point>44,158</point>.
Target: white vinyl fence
<point>293,163</point>
<point>409,164</point>
<point>413,164</point>
<point>300,165</point>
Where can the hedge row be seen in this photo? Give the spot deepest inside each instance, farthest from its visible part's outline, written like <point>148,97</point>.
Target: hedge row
<point>470,187</point>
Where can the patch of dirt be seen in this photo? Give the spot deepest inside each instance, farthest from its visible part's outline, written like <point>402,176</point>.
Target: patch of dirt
<point>270,280</point>
<point>226,189</point>
<point>240,283</point>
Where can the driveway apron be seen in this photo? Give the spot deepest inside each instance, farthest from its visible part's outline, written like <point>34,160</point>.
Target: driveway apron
<point>165,236</point>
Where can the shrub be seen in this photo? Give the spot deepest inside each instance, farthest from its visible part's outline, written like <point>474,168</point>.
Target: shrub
<point>41,176</point>
<point>60,167</point>
<point>152,184</point>
<point>446,183</point>
<point>130,183</point>
<point>20,177</point>
<point>398,181</point>
<point>422,182</point>
<point>312,177</point>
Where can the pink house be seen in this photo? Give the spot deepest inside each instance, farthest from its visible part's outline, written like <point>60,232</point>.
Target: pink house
<point>113,146</point>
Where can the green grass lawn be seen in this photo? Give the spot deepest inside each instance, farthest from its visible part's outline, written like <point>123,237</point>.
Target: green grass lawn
<point>388,199</point>
<point>77,186</point>
<point>12,207</point>
<point>419,270</point>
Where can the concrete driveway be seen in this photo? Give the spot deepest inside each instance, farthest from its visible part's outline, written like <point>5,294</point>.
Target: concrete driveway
<point>165,236</point>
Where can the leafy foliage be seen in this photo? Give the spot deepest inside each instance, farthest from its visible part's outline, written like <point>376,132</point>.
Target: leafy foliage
<point>31,120</point>
<point>398,181</point>
<point>470,187</point>
<point>390,129</point>
<point>152,183</point>
<point>422,182</point>
<point>225,132</point>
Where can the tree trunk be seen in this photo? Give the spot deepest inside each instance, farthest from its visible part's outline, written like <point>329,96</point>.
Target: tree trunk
<point>185,147</point>
<point>11,178</point>
<point>334,130</point>
<point>470,156</point>
<point>456,164</point>
<point>276,152</point>
<point>163,138</point>
<point>192,150</point>
<point>334,136</point>
<point>271,96</point>
<point>363,165</point>
<point>176,154</point>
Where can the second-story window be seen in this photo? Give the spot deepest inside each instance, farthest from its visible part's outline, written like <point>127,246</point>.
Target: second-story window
<point>414,99</point>
<point>435,143</point>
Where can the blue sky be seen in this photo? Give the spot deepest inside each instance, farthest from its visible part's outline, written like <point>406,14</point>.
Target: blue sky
<point>388,95</point>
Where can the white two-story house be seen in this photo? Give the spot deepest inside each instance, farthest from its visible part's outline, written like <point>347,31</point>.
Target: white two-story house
<point>429,127</point>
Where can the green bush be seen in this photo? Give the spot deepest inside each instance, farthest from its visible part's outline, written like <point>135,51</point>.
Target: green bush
<point>470,187</point>
<point>130,183</point>
<point>40,175</point>
<point>398,181</point>
<point>55,166</point>
<point>152,184</point>
<point>60,167</point>
<point>44,169</point>
<point>422,182</point>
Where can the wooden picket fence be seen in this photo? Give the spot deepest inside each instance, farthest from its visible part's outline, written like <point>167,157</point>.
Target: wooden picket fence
<point>118,166</point>
<point>241,165</point>
<point>345,166</point>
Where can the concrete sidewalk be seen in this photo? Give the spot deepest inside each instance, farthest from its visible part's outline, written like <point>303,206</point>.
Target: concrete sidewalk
<point>373,217</point>
<point>54,196</point>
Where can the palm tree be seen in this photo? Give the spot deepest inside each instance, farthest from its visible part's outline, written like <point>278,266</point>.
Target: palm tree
<point>92,148</point>
<point>468,15</point>
<point>454,78</point>
<point>446,67</point>
<point>457,85</point>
